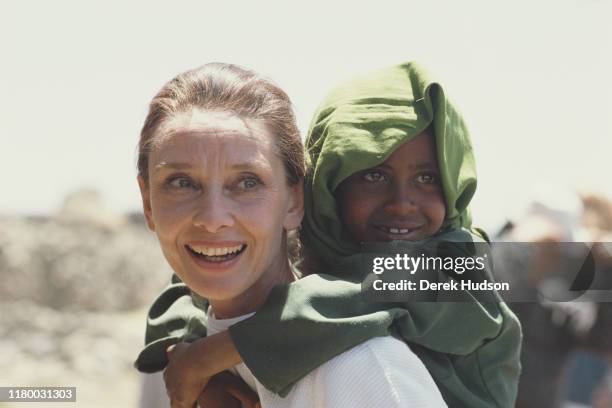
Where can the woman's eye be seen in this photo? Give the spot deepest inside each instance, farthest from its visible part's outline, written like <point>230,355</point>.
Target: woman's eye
<point>374,176</point>
<point>249,183</point>
<point>181,182</point>
<point>427,178</point>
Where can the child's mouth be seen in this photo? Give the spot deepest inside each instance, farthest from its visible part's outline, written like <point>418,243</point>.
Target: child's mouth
<point>398,232</point>
<point>215,254</point>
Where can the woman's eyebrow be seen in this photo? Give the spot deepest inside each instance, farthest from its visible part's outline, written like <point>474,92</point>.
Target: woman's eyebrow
<point>247,165</point>
<point>173,166</point>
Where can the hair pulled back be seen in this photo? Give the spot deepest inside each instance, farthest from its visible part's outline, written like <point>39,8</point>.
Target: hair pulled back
<point>227,88</point>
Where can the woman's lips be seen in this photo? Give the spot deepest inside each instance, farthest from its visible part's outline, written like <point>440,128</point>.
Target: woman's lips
<point>215,255</point>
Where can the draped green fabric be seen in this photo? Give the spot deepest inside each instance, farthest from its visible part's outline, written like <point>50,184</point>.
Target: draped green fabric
<point>470,348</point>
<point>359,125</point>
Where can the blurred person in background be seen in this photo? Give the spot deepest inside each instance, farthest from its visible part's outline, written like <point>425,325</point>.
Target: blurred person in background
<point>566,343</point>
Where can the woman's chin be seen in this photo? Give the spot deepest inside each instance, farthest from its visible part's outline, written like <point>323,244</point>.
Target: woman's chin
<point>217,292</point>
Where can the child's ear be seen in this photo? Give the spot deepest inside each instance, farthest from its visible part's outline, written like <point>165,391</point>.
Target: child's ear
<point>295,213</point>
<point>146,202</point>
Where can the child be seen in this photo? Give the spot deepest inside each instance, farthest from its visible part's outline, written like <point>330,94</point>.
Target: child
<point>390,159</point>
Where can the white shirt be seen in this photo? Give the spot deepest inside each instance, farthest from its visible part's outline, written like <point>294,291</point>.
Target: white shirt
<point>381,372</point>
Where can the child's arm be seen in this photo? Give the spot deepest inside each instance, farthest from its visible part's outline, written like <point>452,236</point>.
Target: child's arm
<point>190,367</point>
<point>471,347</point>
<point>172,318</point>
<point>318,317</point>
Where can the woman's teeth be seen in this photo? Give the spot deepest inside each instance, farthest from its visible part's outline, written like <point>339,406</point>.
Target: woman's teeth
<point>209,251</point>
<point>217,254</point>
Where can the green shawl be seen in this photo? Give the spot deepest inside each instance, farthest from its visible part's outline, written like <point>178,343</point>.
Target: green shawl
<point>359,125</point>
<point>471,349</point>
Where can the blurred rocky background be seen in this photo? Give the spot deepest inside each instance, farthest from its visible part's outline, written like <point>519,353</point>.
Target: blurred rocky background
<point>73,296</point>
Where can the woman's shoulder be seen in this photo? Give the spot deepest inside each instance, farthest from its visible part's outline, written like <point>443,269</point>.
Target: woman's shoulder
<point>382,371</point>
<point>379,355</point>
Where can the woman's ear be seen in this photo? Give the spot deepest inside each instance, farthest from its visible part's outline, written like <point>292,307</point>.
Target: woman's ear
<point>295,212</point>
<point>146,202</point>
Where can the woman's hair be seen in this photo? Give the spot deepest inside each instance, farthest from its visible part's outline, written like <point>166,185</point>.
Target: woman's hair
<point>227,88</point>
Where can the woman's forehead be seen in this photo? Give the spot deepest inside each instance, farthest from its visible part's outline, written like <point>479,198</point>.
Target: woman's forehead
<point>220,123</point>
<point>224,140</point>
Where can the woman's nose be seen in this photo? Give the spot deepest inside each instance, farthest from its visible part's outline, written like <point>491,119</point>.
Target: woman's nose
<point>401,201</point>
<point>212,212</point>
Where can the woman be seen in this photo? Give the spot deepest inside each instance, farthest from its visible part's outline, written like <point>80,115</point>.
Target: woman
<point>221,176</point>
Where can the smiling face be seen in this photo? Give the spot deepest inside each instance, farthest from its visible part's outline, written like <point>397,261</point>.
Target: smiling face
<point>401,199</point>
<point>218,199</point>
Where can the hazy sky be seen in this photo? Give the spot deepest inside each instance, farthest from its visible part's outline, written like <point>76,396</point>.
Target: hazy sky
<point>532,79</point>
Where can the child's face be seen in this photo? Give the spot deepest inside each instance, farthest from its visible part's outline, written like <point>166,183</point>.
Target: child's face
<point>401,199</point>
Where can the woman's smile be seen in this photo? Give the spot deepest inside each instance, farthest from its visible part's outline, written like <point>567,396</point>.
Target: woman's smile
<point>215,255</point>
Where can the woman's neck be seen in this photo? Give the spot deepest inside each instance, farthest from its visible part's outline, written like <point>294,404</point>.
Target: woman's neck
<point>255,296</point>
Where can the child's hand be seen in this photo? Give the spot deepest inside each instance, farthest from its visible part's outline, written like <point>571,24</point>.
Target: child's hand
<point>184,381</point>
<point>192,365</point>
<point>225,390</point>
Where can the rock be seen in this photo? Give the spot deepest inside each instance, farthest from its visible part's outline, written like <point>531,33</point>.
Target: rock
<point>79,266</point>
<point>85,206</point>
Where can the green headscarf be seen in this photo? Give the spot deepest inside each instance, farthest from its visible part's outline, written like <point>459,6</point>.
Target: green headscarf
<point>359,125</point>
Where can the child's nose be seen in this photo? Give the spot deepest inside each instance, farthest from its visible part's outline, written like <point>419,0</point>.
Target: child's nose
<point>212,213</point>
<point>401,201</point>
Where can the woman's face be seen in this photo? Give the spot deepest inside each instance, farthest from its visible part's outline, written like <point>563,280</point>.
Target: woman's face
<point>219,202</point>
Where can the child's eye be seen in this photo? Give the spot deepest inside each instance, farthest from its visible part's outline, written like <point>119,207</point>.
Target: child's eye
<point>374,176</point>
<point>249,183</point>
<point>427,178</point>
